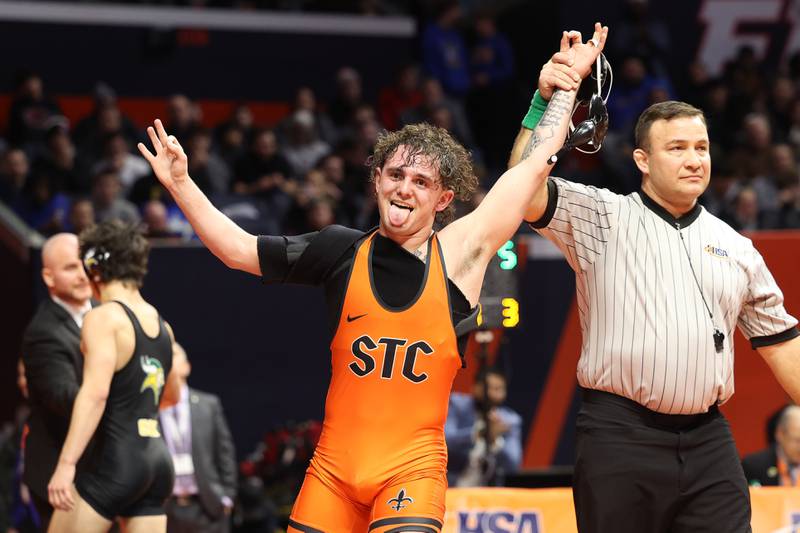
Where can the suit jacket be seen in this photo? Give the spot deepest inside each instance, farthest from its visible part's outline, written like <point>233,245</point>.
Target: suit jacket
<point>461,416</point>
<point>54,369</point>
<point>213,454</point>
<point>761,468</point>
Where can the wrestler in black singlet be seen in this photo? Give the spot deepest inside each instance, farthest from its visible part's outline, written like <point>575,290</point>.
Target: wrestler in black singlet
<point>129,471</point>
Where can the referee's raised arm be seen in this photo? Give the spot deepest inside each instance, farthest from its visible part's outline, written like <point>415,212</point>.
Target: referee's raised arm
<point>557,74</point>
<point>474,238</point>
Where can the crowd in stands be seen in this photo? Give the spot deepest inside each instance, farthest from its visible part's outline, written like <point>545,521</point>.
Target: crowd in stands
<point>308,170</point>
<point>752,112</point>
<point>300,174</point>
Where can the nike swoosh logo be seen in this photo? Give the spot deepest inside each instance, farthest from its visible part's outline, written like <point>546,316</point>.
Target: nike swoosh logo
<point>352,318</point>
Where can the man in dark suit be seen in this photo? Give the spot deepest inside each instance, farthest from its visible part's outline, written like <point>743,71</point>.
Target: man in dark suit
<point>53,363</point>
<point>203,455</point>
<point>779,464</point>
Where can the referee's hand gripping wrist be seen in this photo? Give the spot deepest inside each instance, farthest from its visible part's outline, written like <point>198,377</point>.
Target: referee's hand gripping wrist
<point>557,73</point>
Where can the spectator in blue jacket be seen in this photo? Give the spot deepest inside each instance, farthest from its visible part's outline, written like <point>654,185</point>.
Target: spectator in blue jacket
<point>484,437</point>
<point>444,52</point>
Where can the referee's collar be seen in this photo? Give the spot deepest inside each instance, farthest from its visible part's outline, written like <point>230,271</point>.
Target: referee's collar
<point>681,222</point>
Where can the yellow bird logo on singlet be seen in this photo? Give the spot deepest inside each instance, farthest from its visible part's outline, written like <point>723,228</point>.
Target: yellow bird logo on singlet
<point>154,379</point>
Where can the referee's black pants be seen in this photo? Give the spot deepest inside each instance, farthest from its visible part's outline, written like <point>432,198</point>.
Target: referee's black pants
<point>639,471</point>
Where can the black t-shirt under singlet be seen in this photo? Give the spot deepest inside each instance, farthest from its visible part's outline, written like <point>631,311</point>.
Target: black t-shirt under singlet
<point>397,273</point>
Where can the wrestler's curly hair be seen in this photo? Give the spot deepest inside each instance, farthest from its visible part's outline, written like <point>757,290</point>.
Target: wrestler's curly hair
<point>451,161</point>
<point>119,249</point>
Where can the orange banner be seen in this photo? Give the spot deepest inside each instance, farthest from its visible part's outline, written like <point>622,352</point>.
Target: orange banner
<point>775,510</point>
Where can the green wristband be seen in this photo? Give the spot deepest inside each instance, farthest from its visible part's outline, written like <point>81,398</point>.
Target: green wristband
<point>535,112</point>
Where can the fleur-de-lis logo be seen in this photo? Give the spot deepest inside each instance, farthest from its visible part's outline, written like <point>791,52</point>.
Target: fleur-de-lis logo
<point>400,501</point>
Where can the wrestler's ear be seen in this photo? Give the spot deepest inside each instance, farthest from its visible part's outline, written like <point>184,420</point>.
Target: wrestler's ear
<point>376,178</point>
<point>444,200</point>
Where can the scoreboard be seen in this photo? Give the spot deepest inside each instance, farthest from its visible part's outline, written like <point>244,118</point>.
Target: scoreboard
<point>499,303</point>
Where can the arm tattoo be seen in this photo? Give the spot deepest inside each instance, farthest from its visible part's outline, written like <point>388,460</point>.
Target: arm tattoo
<point>559,107</point>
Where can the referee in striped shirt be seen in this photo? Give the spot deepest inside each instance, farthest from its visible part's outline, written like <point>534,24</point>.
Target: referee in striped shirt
<point>661,284</point>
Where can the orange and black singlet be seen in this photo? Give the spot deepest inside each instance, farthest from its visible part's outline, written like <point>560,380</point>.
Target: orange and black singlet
<point>392,373</point>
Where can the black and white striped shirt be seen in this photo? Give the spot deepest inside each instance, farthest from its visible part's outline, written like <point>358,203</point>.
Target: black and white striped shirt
<point>646,333</point>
